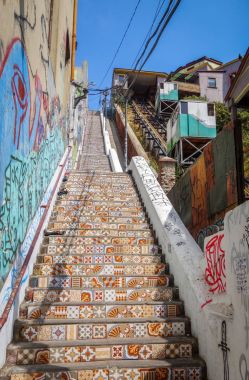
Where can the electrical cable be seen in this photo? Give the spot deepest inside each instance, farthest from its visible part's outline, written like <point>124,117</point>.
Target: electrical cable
<point>166,21</point>
<point>122,40</point>
<point>159,7</point>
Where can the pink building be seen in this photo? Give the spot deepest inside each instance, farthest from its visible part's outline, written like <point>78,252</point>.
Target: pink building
<point>214,84</point>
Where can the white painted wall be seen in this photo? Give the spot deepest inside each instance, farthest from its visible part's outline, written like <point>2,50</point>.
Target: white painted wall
<point>109,151</point>
<point>199,109</point>
<point>187,263</point>
<point>7,330</point>
<point>237,272</point>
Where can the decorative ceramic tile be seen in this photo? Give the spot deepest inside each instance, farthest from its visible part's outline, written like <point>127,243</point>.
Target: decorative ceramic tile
<point>88,354</point>
<point>99,331</point>
<point>58,332</point>
<point>194,373</point>
<point>85,332</point>
<point>25,356</point>
<point>72,354</point>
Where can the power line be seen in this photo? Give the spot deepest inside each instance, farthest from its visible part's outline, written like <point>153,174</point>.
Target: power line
<point>159,7</point>
<point>164,20</point>
<point>121,42</point>
<point>161,32</point>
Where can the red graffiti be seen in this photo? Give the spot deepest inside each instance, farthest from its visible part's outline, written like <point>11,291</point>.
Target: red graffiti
<point>215,275</point>
<point>20,96</point>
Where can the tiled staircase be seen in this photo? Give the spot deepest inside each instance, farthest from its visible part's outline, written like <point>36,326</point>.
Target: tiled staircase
<point>101,303</point>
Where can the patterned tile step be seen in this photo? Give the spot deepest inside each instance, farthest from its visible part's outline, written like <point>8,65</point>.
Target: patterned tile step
<point>98,269</point>
<point>79,311</point>
<point>101,295</point>
<point>99,282</point>
<point>101,249</point>
<point>75,174</point>
<point>94,170</point>
<point>64,206</point>
<point>101,233</point>
<point>83,351</point>
<point>99,259</point>
<point>78,213</point>
<point>83,190</point>
<point>174,369</point>
<point>67,241</point>
<point>91,219</point>
<point>101,197</point>
<point>109,226</point>
<point>123,330</point>
<point>72,186</point>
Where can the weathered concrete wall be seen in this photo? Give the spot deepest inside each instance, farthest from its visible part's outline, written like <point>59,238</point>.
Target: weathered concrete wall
<point>237,278</point>
<point>35,51</point>
<point>213,284</point>
<point>207,190</point>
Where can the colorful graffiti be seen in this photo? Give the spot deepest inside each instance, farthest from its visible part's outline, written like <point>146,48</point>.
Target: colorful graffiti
<point>215,275</point>
<point>209,186</point>
<point>30,149</point>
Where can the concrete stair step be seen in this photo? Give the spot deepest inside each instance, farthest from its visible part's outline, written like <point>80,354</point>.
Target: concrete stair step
<point>97,240</point>
<point>71,186</point>
<point>79,218</point>
<point>100,282</point>
<point>141,295</point>
<point>24,353</point>
<point>63,206</point>
<point>98,205</point>
<point>99,232</point>
<point>147,249</point>
<point>99,269</point>
<point>105,197</point>
<point>83,213</point>
<point>31,332</point>
<point>177,369</point>
<point>92,311</point>
<point>82,190</point>
<point>97,225</point>
<point>99,259</point>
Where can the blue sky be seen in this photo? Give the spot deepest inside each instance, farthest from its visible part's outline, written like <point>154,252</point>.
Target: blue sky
<point>216,28</point>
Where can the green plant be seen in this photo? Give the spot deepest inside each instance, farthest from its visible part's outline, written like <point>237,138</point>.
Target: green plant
<point>222,115</point>
<point>195,97</point>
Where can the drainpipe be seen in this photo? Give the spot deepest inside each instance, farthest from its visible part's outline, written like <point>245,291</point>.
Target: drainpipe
<point>73,39</point>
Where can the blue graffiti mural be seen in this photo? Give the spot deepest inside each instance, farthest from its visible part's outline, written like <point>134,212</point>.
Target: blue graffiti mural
<point>29,150</point>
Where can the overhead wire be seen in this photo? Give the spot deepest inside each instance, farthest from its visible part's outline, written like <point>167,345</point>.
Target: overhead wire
<point>121,42</point>
<point>159,7</point>
<point>164,22</point>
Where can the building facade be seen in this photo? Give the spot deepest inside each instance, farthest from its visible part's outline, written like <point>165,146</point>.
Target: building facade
<point>35,72</point>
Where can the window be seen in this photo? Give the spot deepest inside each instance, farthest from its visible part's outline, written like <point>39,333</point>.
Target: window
<point>161,86</point>
<point>175,86</point>
<point>212,82</point>
<point>210,109</point>
<point>121,78</point>
<point>184,107</point>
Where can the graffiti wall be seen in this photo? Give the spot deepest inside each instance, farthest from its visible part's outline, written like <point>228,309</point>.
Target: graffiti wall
<point>207,190</point>
<point>215,264</point>
<point>237,263</point>
<point>33,118</point>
